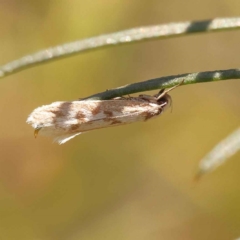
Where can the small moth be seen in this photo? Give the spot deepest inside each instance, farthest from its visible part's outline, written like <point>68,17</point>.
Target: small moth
<point>65,120</point>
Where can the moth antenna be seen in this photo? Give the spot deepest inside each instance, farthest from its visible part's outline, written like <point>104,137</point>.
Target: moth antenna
<point>165,91</point>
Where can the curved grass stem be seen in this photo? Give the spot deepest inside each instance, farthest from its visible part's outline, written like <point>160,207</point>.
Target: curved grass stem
<point>161,31</point>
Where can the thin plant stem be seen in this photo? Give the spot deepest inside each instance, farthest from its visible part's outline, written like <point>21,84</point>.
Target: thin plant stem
<point>161,31</point>
<point>220,153</point>
<point>167,82</point>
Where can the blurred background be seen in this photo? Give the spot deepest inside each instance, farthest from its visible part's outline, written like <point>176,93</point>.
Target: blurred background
<point>129,182</point>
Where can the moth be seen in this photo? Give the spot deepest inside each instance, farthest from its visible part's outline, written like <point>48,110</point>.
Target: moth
<point>65,120</point>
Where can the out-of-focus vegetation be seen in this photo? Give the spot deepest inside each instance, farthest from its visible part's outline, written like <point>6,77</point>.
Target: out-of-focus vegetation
<point>130,182</point>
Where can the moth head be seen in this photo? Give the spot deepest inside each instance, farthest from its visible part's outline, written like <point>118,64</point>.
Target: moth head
<point>165,100</point>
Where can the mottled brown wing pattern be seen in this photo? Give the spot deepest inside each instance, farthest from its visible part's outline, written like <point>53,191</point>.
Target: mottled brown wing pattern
<point>65,120</point>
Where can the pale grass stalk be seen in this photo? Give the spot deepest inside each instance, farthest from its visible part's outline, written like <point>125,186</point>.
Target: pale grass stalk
<point>220,153</point>
<point>137,34</point>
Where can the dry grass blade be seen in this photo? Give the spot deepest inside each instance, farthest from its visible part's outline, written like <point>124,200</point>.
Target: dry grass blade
<point>220,153</point>
<point>143,33</point>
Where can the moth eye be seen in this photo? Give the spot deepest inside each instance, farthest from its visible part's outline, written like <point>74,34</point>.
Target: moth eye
<point>163,99</point>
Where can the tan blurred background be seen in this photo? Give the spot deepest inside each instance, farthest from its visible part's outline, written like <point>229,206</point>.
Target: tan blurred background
<point>131,182</point>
